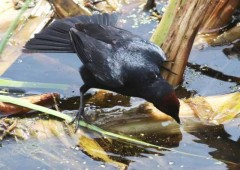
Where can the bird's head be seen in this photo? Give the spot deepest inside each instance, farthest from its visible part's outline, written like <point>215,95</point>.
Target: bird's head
<point>163,97</point>
<point>169,104</point>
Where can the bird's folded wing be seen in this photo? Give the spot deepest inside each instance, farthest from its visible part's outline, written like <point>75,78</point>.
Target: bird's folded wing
<point>98,57</point>
<point>107,33</point>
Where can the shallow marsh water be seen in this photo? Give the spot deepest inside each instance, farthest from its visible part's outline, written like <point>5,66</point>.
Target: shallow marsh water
<point>213,147</point>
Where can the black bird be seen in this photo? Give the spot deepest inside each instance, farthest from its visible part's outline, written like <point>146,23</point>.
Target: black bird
<point>113,59</point>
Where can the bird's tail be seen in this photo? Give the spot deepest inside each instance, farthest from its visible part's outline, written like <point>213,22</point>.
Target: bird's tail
<point>55,37</point>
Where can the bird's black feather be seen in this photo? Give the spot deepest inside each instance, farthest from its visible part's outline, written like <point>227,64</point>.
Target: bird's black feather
<point>94,55</point>
<point>55,37</point>
<point>106,33</point>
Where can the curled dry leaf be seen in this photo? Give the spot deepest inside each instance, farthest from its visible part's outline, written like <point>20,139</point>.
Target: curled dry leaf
<point>227,37</point>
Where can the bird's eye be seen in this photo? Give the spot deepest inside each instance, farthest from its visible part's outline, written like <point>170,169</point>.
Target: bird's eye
<point>153,77</point>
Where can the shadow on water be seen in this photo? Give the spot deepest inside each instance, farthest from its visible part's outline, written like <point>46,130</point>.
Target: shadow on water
<point>226,144</point>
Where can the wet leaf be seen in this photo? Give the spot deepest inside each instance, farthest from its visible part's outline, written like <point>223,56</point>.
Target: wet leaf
<point>201,108</point>
<point>228,110</point>
<point>215,109</point>
<point>27,104</point>
<point>69,8</point>
<point>227,37</point>
<point>13,83</point>
<point>92,148</point>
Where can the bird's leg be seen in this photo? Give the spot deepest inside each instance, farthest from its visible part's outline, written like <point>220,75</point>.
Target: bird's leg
<point>80,115</point>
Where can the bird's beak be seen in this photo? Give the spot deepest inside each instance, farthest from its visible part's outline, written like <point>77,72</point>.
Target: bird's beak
<point>177,119</point>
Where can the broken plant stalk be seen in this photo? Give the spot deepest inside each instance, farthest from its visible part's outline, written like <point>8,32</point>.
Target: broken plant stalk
<point>177,30</point>
<point>219,15</point>
<point>218,20</point>
<point>178,41</point>
<point>65,8</point>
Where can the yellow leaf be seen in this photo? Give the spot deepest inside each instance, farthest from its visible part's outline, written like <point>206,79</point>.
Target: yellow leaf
<point>96,151</point>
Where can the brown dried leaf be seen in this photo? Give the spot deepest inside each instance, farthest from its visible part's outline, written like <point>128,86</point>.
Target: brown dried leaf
<point>43,100</point>
<point>200,107</point>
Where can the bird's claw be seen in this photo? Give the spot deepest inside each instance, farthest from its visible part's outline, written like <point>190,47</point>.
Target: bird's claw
<point>80,116</point>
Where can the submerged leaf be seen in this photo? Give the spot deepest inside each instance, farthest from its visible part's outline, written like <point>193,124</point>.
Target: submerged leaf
<point>90,146</point>
<point>6,126</point>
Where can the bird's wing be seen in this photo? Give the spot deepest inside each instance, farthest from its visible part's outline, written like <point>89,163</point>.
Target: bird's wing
<point>55,37</point>
<point>97,57</point>
<point>96,45</point>
<point>107,33</point>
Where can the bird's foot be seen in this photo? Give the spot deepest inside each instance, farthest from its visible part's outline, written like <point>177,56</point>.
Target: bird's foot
<point>76,120</point>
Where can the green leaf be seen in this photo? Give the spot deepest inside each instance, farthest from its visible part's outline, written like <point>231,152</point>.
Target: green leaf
<point>13,83</point>
<point>163,27</point>
<point>13,26</point>
<point>27,104</point>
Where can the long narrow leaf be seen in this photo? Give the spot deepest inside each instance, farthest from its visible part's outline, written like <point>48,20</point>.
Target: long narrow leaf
<point>27,104</point>
<point>13,83</point>
<point>13,26</point>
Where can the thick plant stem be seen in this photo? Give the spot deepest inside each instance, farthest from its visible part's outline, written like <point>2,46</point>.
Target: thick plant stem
<point>179,39</point>
<point>162,29</point>
<point>180,24</point>
<point>181,36</point>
